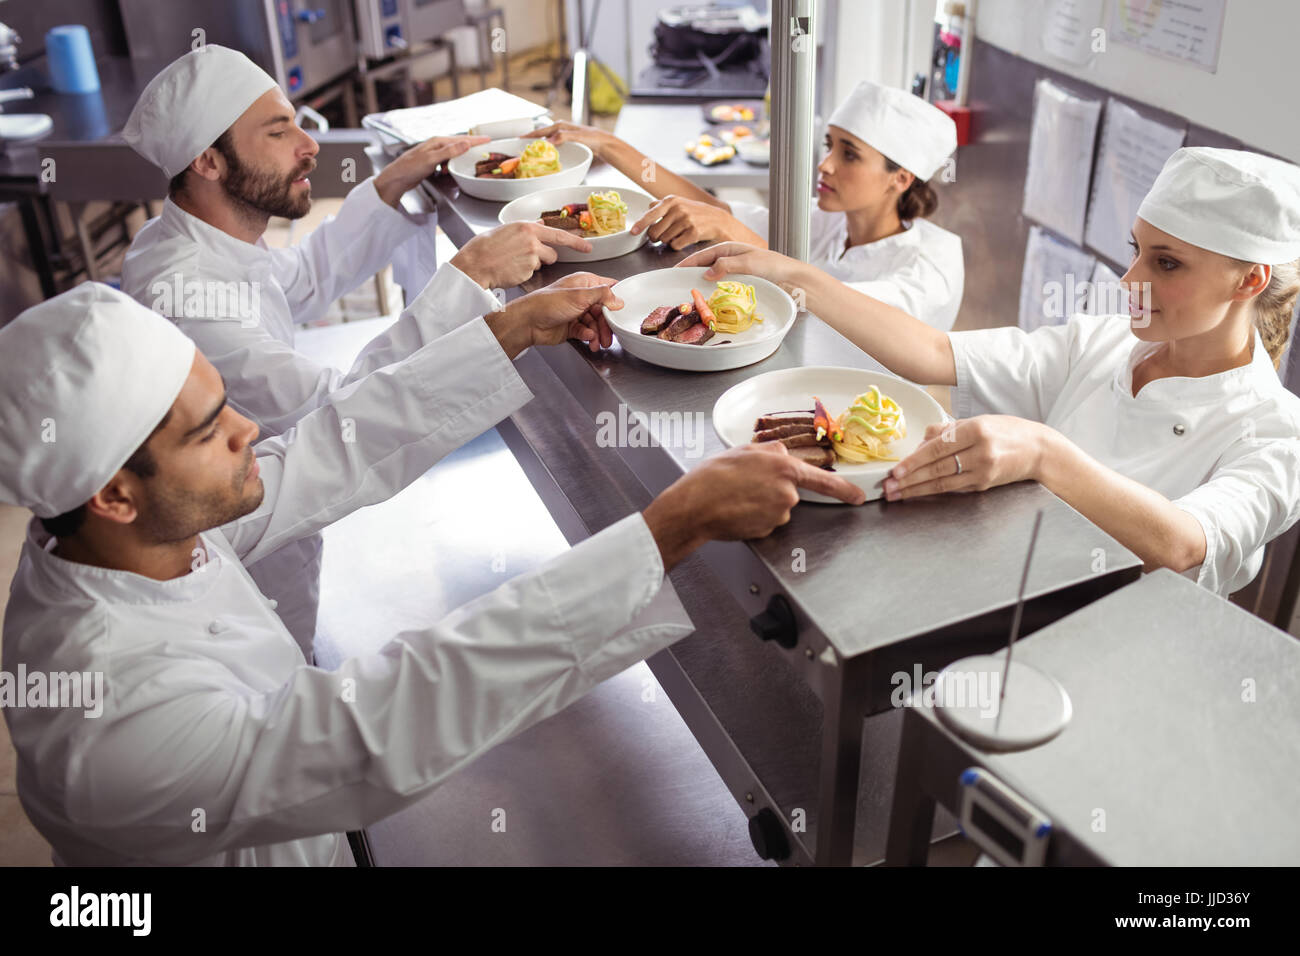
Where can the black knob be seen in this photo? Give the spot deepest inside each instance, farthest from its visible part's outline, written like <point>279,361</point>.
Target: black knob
<point>768,835</point>
<point>776,623</point>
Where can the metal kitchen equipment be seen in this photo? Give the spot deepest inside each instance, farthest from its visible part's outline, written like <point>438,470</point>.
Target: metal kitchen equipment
<point>1182,750</point>
<point>304,44</point>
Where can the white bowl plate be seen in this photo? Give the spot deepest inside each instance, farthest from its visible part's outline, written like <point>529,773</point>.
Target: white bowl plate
<point>791,389</point>
<point>642,294</point>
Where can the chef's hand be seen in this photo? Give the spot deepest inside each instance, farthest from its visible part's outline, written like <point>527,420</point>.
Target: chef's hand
<point>738,258</point>
<point>510,254</point>
<point>419,163</point>
<point>992,449</point>
<point>746,492</point>
<point>679,222</point>
<point>599,141</point>
<point>568,309</point>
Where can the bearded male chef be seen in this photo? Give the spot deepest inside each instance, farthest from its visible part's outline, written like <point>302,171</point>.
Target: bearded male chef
<point>225,135</point>
<point>218,744</point>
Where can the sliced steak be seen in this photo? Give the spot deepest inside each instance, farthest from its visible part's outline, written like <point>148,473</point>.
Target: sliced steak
<point>697,334</point>
<point>556,221</point>
<point>784,431</point>
<point>816,455</point>
<point>655,322</point>
<point>484,167</point>
<point>679,325</point>
<point>777,419</point>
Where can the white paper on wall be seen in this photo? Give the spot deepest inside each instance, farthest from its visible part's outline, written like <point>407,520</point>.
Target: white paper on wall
<point>1132,152</point>
<point>1071,29</point>
<point>1060,159</point>
<point>1186,30</point>
<point>1056,280</point>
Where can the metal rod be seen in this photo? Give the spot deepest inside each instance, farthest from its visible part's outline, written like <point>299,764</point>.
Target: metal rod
<point>1015,620</point>
<point>794,58</point>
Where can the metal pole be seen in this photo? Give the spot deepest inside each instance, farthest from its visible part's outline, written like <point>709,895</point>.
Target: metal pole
<point>790,177</point>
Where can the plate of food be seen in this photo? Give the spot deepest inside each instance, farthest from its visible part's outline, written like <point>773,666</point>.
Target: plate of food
<point>601,216</point>
<point>733,111</point>
<point>679,319</point>
<point>506,169</point>
<point>856,423</point>
<point>709,150</point>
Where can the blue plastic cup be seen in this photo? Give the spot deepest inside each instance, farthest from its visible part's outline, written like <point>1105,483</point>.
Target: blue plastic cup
<point>72,62</point>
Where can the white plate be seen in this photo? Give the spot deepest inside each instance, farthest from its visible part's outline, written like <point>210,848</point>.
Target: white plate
<point>574,160</point>
<point>790,389</point>
<point>531,207</point>
<point>642,294</point>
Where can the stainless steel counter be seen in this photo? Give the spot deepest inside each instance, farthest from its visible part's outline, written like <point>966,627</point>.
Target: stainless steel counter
<point>876,592</point>
<point>1182,750</point>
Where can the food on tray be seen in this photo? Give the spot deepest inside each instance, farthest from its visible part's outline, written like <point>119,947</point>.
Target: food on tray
<point>733,135</point>
<point>603,214</point>
<point>731,308</point>
<point>707,150</point>
<point>863,433</point>
<point>539,158</point>
<point>731,113</point>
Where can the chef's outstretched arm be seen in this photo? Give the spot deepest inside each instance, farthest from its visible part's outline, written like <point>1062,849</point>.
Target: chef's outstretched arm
<point>684,214</point>
<point>628,160</point>
<point>359,241</point>
<point>330,751</point>
<point>902,343</point>
<point>372,438</point>
<point>1000,449</point>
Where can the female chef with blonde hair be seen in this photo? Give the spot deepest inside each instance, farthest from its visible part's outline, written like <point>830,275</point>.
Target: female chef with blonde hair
<point>1169,428</point>
<point>883,145</point>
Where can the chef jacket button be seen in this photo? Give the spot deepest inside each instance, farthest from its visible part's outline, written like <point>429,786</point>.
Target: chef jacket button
<point>272,603</point>
<point>1180,429</point>
<point>214,627</point>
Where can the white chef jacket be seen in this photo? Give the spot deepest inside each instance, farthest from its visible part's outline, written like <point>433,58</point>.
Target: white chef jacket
<point>267,380</point>
<point>920,270</point>
<point>1224,448</point>
<point>218,744</point>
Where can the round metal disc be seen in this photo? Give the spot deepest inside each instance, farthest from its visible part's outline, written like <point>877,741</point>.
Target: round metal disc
<point>966,700</point>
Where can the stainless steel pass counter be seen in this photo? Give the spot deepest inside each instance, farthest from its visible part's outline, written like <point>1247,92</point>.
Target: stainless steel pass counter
<point>806,641</point>
<point>1182,749</point>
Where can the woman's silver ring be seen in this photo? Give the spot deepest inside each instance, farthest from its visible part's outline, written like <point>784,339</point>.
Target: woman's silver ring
<point>958,461</point>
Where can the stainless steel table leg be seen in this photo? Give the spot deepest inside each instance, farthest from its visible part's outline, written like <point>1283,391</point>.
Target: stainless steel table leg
<point>911,817</point>
<point>842,728</point>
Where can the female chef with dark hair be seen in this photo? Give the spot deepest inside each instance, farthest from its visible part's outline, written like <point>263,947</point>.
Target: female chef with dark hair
<point>869,227</point>
<point>1168,428</point>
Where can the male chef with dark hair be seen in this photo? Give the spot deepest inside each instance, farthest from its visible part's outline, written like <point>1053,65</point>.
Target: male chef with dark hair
<point>225,135</point>
<point>218,744</point>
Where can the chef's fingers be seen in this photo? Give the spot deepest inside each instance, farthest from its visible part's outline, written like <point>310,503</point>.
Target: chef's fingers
<point>548,130</point>
<point>606,333</point>
<point>655,230</point>
<point>669,228</point>
<point>711,254</point>
<point>545,254</point>
<point>950,441</point>
<point>584,297</point>
<point>945,467</point>
<point>656,211</point>
<point>825,482</point>
<point>688,236</point>
<point>966,481</point>
<point>561,237</point>
<point>448,149</point>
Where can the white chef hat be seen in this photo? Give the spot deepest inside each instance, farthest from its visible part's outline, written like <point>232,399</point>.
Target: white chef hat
<point>88,376</point>
<point>187,106</point>
<point>905,128</point>
<point>1229,201</point>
